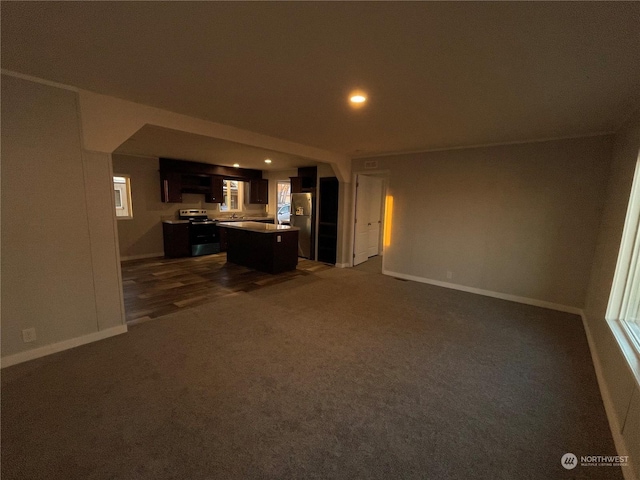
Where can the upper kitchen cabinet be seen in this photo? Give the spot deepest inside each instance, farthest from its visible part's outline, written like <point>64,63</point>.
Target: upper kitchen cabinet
<point>296,184</point>
<point>171,187</point>
<point>192,183</point>
<point>259,191</point>
<point>306,181</point>
<point>179,176</point>
<point>215,193</point>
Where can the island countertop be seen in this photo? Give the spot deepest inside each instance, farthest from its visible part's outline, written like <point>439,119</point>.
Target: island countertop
<point>244,218</point>
<point>258,227</point>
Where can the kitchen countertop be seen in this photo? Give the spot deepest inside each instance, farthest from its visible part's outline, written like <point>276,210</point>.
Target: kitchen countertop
<point>257,226</point>
<point>243,219</point>
<point>220,220</point>
<point>172,222</point>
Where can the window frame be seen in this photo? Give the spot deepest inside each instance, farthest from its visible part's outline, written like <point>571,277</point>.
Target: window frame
<point>226,189</point>
<point>125,197</point>
<point>623,308</point>
<point>280,205</point>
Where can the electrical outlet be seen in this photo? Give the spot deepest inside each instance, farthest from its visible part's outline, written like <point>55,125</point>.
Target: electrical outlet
<point>279,238</point>
<point>449,274</point>
<point>29,335</point>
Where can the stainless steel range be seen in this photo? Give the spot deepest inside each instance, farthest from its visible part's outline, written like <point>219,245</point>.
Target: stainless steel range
<point>203,232</point>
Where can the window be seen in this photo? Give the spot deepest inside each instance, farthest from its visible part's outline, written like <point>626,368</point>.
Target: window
<point>284,201</point>
<point>232,192</point>
<point>122,192</point>
<point>623,311</point>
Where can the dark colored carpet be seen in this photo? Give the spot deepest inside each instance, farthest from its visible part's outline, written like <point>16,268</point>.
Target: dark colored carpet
<point>371,265</point>
<point>341,374</point>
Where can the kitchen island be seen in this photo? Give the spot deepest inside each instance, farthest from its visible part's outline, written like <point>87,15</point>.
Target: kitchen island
<point>266,247</point>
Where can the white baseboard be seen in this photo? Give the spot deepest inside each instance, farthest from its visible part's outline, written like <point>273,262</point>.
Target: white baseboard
<point>614,426</point>
<point>60,346</point>
<point>489,293</point>
<point>140,257</point>
<point>342,265</point>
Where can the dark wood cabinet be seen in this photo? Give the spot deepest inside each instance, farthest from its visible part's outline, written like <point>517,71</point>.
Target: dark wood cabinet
<point>259,191</point>
<point>171,187</point>
<point>272,252</point>
<point>198,184</point>
<point>306,181</point>
<point>176,239</point>
<point>178,177</point>
<point>328,222</point>
<point>222,235</point>
<point>174,184</point>
<point>309,178</point>
<point>215,193</point>
<point>296,184</point>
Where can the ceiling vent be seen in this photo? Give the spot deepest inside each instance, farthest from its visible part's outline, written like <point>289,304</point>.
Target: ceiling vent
<point>371,164</point>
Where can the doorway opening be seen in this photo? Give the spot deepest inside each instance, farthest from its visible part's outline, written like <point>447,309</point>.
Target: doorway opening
<point>283,205</point>
<point>369,222</point>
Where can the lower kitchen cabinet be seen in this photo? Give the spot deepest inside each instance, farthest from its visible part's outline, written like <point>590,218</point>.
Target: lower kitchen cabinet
<point>176,239</point>
<point>272,251</point>
<point>222,235</point>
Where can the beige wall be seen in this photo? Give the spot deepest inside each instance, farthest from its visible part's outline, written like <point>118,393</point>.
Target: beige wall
<point>326,170</point>
<point>520,220</point>
<point>619,382</point>
<point>274,176</point>
<point>103,236</point>
<point>58,233</point>
<point>142,235</point>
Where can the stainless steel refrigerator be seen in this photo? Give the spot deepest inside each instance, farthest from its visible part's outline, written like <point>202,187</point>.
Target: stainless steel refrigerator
<point>302,217</point>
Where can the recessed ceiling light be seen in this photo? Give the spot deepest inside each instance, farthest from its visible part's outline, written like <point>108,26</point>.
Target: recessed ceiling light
<point>267,161</point>
<point>357,99</point>
<point>236,165</point>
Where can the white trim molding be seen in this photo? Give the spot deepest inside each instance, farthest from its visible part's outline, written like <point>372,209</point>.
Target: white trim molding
<point>624,300</point>
<point>42,81</point>
<point>61,346</point>
<point>486,145</point>
<point>614,425</point>
<point>488,293</point>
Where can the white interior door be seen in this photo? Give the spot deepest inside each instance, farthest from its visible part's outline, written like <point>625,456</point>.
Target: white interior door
<point>375,215</point>
<point>361,237</point>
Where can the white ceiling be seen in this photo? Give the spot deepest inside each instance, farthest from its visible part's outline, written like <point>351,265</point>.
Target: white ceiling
<point>438,74</point>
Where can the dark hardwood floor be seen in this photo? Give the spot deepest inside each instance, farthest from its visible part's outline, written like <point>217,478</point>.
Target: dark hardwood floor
<point>157,286</point>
